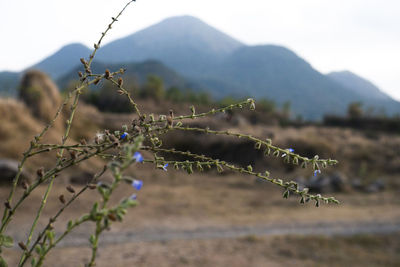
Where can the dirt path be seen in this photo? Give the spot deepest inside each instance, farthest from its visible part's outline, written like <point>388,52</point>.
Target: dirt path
<point>148,235</point>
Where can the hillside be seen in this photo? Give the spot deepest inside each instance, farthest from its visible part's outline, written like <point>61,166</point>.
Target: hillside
<point>135,72</point>
<point>63,61</point>
<point>372,96</point>
<point>8,83</point>
<point>184,43</point>
<point>358,84</point>
<point>278,73</point>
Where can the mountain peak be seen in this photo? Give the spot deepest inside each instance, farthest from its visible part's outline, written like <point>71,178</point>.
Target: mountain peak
<point>185,43</point>
<point>183,19</point>
<point>189,32</point>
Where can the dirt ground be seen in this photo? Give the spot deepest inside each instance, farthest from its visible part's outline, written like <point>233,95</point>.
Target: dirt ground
<point>174,201</point>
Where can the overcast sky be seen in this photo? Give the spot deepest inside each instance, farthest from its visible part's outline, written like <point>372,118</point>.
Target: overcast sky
<point>362,36</point>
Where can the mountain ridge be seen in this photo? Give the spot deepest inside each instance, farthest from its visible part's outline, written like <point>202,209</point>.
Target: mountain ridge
<point>209,59</point>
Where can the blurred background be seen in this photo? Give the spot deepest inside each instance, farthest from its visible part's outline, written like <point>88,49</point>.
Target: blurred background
<point>325,79</point>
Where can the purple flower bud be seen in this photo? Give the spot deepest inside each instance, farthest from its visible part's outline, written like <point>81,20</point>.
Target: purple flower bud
<point>316,172</point>
<point>291,150</point>
<point>137,184</point>
<point>133,197</point>
<point>138,157</point>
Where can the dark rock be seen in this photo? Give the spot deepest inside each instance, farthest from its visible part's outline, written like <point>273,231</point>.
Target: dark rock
<point>338,182</point>
<point>357,184</point>
<point>8,170</point>
<point>319,184</point>
<point>301,182</point>
<point>375,187</point>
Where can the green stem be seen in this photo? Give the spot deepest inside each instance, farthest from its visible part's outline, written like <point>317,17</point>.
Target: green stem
<point>83,219</point>
<point>54,218</point>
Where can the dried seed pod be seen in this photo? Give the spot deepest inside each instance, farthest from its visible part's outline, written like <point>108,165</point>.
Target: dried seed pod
<point>95,82</point>
<point>107,74</point>
<point>24,185</point>
<point>83,61</point>
<point>73,154</point>
<point>92,186</point>
<point>70,189</point>
<point>7,204</point>
<point>112,217</point>
<point>22,245</point>
<point>40,172</point>
<point>62,199</point>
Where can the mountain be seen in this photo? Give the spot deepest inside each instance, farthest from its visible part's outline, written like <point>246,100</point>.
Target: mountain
<point>279,74</point>
<point>358,84</point>
<point>135,72</point>
<point>184,43</point>
<point>63,61</point>
<point>8,83</point>
<point>187,52</point>
<point>371,95</point>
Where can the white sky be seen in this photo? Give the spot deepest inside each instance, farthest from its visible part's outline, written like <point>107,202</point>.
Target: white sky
<point>362,36</point>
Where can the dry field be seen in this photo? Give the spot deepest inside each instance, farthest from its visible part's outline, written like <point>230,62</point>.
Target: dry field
<point>223,219</point>
<point>172,202</point>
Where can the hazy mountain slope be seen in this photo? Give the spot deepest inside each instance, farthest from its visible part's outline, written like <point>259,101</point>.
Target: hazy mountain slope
<point>372,96</point>
<point>185,43</point>
<point>135,71</point>
<point>278,73</point>
<point>358,84</point>
<point>63,61</point>
<point>9,83</point>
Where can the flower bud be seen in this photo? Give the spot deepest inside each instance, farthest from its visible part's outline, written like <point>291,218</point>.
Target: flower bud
<point>120,82</point>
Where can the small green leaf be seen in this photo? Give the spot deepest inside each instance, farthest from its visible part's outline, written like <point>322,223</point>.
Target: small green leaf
<point>70,224</point>
<point>286,194</point>
<point>92,239</point>
<point>7,241</point>
<point>38,249</point>
<point>94,209</point>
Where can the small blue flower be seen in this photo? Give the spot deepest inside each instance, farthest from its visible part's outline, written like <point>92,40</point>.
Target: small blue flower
<point>291,150</point>
<point>165,167</point>
<point>137,184</point>
<point>316,172</point>
<point>133,197</point>
<point>124,135</point>
<point>138,157</point>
